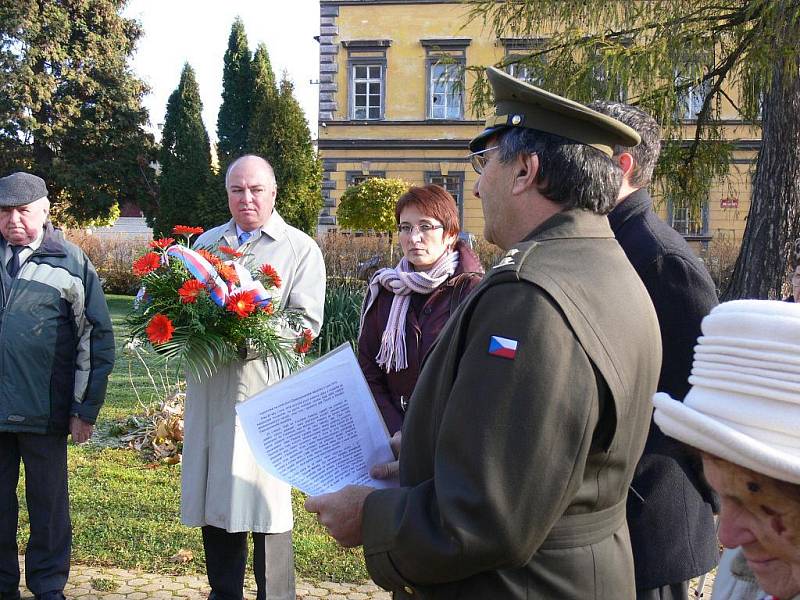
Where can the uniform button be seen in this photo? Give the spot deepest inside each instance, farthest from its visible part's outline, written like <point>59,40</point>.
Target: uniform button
<point>408,590</point>
<point>427,310</point>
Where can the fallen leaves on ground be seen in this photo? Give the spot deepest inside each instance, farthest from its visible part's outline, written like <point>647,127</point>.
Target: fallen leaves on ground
<point>184,555</point>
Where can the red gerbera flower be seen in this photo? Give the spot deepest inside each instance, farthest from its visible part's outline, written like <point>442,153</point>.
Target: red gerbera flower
<point>303,344</point>
<point>270,277</point>
<point>228,273</point>
<point>146,264</point>
<point>186,230</point>
<point>242,303</point>
<point>159,329</point>
<point>190,290</point>
<point>214,260</point>
<point>162,243</point>
<point>230,251</point>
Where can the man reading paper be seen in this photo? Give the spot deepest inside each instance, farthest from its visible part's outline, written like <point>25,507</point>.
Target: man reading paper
<point>531,410</point>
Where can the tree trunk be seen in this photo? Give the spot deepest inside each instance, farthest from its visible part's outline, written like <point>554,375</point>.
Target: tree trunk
<point>773,221</point>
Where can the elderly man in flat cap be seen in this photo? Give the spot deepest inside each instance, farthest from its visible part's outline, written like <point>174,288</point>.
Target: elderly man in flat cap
<point>56,353</point>
<point>531,411</point>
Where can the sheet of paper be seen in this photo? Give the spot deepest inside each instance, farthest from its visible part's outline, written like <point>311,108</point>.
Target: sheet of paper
<point>319,429</point>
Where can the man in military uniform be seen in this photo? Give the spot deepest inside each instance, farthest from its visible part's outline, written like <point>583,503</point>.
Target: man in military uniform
<point>530,414</point>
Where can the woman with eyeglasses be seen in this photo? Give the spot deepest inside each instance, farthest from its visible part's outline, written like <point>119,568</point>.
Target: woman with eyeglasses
<point>406,307</point>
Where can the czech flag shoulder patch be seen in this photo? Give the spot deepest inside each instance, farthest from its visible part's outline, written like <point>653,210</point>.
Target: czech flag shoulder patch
<point>502,347</point>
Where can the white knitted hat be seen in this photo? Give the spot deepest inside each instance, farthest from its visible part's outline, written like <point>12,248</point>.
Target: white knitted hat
<point>744,404</point>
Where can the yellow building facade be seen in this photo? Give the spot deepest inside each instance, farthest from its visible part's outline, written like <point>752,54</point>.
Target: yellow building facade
<point>389,108</point>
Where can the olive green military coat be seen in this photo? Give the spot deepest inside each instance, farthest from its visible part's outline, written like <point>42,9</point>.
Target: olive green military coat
<point>514,471</point>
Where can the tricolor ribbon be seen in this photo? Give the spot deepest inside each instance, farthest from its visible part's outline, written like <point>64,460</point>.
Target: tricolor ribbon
<point>204,272</point>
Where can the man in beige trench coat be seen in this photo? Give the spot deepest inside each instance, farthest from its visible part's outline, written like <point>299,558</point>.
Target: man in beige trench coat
<point>223,490</point>
<point>531,411</point>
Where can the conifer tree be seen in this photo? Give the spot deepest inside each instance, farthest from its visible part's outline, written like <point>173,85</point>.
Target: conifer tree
<point>298,170</point>
<point>71,109</point>
<point>185,157</point>
<point>263,98</point>
<point>234,113</point>
<point>279,133</point>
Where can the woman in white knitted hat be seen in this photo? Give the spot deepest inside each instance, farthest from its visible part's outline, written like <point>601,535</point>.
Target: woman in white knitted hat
<point>743,414</point>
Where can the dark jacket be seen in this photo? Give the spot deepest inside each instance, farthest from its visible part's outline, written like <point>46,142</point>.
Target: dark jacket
<point>426,317</point>
<point>516,463</point>
<point>670,508</point>
<point>56,340</point>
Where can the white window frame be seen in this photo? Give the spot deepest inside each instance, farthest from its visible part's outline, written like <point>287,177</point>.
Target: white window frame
<point>682,220</point>
<point>447,105</point>
<point>368,81</point>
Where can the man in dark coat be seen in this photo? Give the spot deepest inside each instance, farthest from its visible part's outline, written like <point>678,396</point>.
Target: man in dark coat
<point>670,506</point>
<point>530,413</point>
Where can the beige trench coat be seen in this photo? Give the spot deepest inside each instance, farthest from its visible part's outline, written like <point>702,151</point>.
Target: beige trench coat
<point>221,483</point>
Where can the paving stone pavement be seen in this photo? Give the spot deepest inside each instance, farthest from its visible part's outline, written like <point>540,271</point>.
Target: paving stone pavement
<point>106,583</point>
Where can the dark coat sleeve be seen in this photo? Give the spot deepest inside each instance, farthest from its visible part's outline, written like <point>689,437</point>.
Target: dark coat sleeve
<point>509,454</point>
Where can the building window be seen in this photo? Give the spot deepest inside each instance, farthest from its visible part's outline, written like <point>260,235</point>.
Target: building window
<point>445,60</point>
<point>687,220</point>
<point>524,71</point>
<point>609,86</point>
<point>519,62</point>
<point>367,89</point>
<point>355,177</point>
<point>446,88</point>
<point>453,182</point>
<point>690,101</point>
<point>367,78</point>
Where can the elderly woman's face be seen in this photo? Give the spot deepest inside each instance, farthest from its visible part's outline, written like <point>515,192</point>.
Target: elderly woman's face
<point>761,517</point>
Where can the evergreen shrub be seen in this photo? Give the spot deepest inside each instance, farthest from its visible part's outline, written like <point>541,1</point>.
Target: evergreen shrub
<point>112,257</point>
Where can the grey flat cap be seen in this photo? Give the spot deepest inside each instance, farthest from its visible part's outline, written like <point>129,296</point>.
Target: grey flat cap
<point>21,188</point>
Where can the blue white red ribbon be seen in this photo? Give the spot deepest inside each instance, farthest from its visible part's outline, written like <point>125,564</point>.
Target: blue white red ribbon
<point>204,272</point>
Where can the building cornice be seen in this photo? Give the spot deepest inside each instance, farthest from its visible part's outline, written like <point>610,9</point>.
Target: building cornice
<point>444,43</point>
<point>450,143</point>
<point>392,144</point>
<point>366,44</point>
<point>381,123</point>
<point>373,2</point>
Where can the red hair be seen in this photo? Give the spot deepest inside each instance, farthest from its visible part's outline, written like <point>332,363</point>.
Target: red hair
<point>434,201</point>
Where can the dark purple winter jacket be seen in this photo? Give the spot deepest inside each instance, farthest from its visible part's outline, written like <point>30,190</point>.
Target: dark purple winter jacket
<point>426,317</point>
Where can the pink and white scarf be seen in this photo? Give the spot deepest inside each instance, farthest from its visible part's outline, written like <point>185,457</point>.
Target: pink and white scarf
<point>402,281</point>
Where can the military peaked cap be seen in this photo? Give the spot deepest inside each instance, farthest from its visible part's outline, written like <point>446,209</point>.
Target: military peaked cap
<point>21,188</point>
<point>519,104</point>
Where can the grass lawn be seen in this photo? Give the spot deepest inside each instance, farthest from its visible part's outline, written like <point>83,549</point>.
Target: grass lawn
<point>125,513</point>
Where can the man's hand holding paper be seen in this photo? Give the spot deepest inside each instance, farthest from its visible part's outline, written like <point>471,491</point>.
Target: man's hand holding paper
<point>389,471</point>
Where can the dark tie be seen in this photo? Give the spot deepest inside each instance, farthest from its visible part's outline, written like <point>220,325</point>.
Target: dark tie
<point>244,236</point>
<point>13,263</point>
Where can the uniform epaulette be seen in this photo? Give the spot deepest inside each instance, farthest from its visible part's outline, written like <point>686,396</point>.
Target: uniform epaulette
<point>513,260</point>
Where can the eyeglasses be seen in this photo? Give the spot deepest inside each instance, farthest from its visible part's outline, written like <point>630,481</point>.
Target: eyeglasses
<point>479,159</point>
<point>423,228</point>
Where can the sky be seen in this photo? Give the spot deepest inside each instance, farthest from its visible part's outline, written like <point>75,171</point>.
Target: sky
<point>179,31</point>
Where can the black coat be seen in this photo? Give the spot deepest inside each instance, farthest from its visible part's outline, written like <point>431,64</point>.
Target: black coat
<point>670,507</point>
